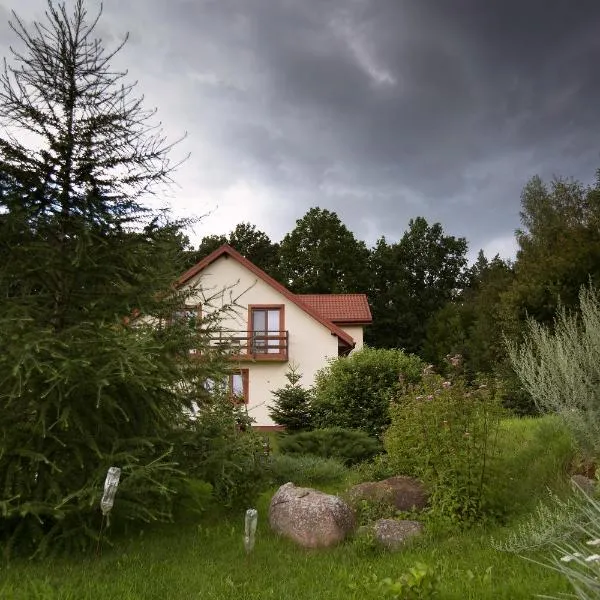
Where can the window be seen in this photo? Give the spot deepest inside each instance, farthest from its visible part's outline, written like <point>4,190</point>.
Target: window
<point>266,324</point>
<point>235,385</point>
<point>238,386</point>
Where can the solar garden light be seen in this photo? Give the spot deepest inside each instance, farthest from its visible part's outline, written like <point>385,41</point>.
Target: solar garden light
<point>110,489</point>
<point>108,499</point>
<point>250,529</point>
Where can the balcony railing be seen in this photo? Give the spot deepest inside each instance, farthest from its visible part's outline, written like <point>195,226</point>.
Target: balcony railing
<point>256,345</point>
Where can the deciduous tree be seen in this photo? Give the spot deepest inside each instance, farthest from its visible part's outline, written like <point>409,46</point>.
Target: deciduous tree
<point>322,256</point>
<point>411,280</point>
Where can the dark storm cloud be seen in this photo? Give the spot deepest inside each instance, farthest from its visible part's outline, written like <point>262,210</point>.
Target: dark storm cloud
<point>381,110</point>
<point>401,108</point>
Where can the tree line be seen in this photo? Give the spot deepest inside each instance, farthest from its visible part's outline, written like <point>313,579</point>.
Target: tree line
<point>424,296</point>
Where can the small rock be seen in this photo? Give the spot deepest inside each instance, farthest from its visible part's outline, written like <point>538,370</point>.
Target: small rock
<point>392,534</point>
<point>403,493</point>
<point>309,517</point>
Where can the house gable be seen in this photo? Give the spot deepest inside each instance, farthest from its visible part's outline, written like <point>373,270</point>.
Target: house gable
<point>228,252</point>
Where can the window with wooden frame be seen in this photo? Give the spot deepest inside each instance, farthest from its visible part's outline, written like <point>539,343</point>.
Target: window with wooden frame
<point>236,385</point>
<point>266,330</point>
<point>239,385</point>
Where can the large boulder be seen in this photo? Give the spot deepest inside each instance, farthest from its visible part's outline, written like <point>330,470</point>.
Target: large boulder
<point>392,534</point>
<point>309,517</point>
<point>402,493</point>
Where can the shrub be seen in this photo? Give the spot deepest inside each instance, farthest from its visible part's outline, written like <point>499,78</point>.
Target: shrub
<point>292,405</point>
<point>369,511</point>
<point>445,433</point>
<point>534,455</point>
<point>576,556</point>
<point>350,446</point>
<point>355,391</point>
<point>305,469</point>
<point>380,467</point>
<point>561,369</point>
<point>214,449</point>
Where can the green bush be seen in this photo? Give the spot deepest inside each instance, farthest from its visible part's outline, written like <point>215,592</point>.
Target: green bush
<point>560,368</point>
<point>355,392</point>
<point>214,449</point>
<point>380,467</point>
<point>444,433</point>
<point>350,446</point>
<point>305,470</point>
<point>194,497</point>
<point>369,511</point>
<point>536,452</point>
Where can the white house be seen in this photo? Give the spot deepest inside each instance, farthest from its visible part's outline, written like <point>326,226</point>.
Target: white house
<point>271,327</point>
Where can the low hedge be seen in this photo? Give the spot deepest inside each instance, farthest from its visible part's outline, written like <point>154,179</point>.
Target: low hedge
<point>351,446</point>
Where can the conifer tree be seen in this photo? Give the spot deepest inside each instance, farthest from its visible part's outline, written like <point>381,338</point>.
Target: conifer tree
<point>291,407</point>
<point>84,384</point>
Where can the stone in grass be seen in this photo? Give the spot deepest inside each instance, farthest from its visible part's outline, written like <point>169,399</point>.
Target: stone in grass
<point>584,484</point>
<point>402,493</point>
<point>309,517</point>
<point>392,534</point>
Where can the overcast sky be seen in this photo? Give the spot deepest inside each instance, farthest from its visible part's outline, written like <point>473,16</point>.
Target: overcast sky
<point>379,110</point>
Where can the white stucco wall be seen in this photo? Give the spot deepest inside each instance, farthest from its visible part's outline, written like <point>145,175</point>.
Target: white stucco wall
<point>311,344</point>
<point>356,332</point>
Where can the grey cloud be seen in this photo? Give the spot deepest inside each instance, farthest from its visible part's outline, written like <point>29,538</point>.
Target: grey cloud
<point>379,110</point>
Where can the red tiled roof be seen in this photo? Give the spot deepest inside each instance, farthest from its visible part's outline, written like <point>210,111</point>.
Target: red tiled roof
<point>225,249</point>
<point>340,308</point>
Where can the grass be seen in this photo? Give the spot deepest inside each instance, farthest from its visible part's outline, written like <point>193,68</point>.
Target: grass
<point>205,558</point>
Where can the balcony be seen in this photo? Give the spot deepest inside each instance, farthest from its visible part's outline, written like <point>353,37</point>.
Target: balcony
<point>248,345</point>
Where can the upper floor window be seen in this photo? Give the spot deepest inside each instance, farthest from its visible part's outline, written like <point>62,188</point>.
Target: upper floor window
<point>266,325</point>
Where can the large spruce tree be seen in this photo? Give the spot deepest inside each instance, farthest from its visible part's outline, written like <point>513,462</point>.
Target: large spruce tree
<point>83,385</point>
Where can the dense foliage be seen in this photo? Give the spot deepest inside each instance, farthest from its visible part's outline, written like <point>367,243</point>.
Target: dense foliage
<point>560,368</point>
<point>351,446</point>
<point>444,432</point>
<point>217,447</point>
<point>322,256</point>
<point>89,378</point>
<point>308,470</point>
<point>355,392</point>
<point>410,280</point>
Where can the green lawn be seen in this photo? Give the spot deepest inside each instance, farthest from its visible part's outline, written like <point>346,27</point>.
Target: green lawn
<point>205,558</point>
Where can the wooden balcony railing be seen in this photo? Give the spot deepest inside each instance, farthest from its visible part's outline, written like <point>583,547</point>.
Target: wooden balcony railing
<point>254,345</point>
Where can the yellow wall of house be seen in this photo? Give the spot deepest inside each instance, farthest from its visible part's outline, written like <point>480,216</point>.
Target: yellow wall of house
<point>311,344</point>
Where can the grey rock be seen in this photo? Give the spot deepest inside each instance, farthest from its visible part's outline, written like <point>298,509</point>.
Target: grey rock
<point>309,517</point>
<point>392,534</point>
<point>402,493</point>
